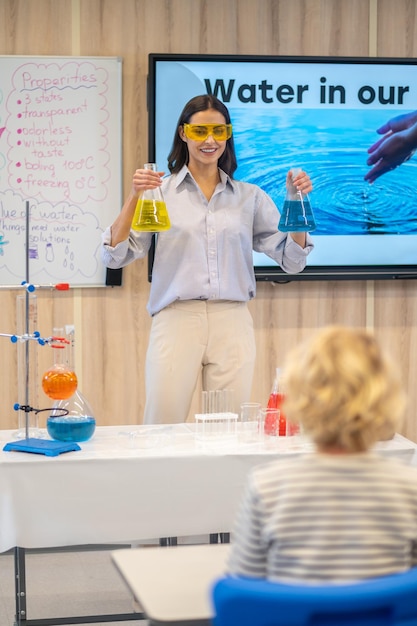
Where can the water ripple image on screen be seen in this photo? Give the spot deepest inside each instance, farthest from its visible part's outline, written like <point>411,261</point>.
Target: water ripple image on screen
<point>332,147</point>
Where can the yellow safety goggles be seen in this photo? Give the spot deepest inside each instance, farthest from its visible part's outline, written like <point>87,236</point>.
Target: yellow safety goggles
<point>200,132</point>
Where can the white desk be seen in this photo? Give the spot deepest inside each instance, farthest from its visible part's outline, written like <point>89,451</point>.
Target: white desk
<point>111,493</point>
<point>173,585</point>
<point>120,489</point>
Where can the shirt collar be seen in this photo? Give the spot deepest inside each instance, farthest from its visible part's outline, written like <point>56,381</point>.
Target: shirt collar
<point>225,178</point>
<point>184,172</point>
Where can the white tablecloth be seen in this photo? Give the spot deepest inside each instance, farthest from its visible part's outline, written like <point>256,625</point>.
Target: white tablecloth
<point>124,487</point>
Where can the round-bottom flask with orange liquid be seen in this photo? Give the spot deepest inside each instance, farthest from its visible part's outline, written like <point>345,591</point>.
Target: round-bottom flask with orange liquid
<point>60,381</point>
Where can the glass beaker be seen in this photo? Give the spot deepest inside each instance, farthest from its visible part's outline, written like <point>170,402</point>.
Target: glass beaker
<point>297,214</point>
<point>60,381</point>
<point>269,424</point>
<point>151,213</point>
<point>250,414</point>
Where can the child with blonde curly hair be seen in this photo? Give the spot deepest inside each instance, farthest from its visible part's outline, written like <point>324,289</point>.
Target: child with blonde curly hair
<point>345,512</point>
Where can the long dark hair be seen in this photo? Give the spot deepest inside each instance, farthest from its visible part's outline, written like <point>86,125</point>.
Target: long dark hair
<point>179,151</point>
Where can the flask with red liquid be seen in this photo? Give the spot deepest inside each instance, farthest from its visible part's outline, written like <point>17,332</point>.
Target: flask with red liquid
<point>275,400</point>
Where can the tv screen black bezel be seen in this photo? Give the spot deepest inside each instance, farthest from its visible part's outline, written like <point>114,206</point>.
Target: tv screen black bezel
<point>274,273</point>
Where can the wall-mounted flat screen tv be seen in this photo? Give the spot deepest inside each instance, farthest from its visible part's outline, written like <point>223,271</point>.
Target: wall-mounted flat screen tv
<point>321,114</point>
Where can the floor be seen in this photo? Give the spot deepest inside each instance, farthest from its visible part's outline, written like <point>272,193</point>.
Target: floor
<point>71,582</point>
<point>66,583</point>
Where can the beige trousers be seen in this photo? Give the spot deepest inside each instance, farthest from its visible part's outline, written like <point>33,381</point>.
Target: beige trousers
<point>193,338</point>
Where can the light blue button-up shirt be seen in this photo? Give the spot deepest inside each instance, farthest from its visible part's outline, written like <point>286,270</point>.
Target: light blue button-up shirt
<point>207,253</point>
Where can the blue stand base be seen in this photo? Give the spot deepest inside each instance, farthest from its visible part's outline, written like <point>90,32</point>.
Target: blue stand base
<point>48,447</point>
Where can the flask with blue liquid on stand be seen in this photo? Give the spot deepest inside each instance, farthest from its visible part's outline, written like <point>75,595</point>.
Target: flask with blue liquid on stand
<point>297,214</point>
<point>71,417</point>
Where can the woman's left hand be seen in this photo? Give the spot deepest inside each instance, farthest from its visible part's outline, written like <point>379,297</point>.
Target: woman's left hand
<point>301,181</point>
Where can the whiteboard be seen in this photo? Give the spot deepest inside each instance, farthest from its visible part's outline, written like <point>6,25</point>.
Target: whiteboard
<point>60,155</point>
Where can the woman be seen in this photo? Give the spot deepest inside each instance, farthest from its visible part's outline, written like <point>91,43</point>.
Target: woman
<point>203,270</point>
<point>343,512</point>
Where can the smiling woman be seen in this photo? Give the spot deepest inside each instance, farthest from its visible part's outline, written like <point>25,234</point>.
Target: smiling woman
<point>203,273</point>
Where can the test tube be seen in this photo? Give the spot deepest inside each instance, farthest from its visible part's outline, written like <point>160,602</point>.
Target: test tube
<point>219,401</point>
<point>211,401</point>
<point>204,402</point>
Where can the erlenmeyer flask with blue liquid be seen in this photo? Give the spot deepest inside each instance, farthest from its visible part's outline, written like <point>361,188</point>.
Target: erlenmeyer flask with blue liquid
<point>297,214</point>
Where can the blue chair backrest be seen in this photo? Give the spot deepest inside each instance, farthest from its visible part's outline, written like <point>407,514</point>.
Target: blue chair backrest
<point>385,601</point>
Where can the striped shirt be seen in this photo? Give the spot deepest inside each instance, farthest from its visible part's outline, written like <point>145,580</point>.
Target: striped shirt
<point>325,517</point>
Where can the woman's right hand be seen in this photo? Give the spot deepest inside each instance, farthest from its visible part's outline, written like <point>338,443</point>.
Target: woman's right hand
<point>142,179</point>
<point>146,179</point>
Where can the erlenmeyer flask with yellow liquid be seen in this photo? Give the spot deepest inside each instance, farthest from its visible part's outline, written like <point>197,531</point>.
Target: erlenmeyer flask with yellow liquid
<point>151,213</point>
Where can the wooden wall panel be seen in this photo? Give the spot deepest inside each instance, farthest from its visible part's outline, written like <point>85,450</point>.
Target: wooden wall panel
<point>288,313</point>
<point>395,325</point>
<point>112,324</point>
<point>396,302</point>
<point>397,28</point>
<point>35,27</point>
<point>8,361</point>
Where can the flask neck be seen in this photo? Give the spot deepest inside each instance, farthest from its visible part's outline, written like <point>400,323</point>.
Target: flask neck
<point>277,381</point>
<point>292,192</point>
<point>152,194</point>
<point>62,349</point>
<point>58,349</point>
